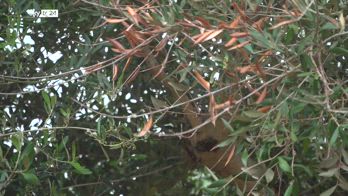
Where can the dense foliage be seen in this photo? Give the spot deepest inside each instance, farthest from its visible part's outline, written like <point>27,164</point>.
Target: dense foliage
<point>88,103</point>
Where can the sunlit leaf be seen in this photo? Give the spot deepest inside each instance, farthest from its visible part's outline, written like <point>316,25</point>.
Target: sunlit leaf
<point>329,173</point>
<point>284,165</point>
<point>269,175</point>
<point>80,169</point>
<point>342,22</point>
<point>329,191</point>
<point>115,20</point>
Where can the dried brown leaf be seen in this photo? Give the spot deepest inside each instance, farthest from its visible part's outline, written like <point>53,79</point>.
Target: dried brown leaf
<point>230,155</point>
<point>239,34</point>
<point>117,50</point>
<point>162,44</point>
<point>133,75</point>
<point>115,20</point>
<point>231,42</point>
<point>264,56</point>
<point>262,96</point>
<point>283,23</point>
<point>146,127</point>
<point>133,14</point>
<point>260,23</point>
<point>200,37</point>
<point>205,84</point>
<point>213,35</point>
<point>264,109</point>
<point>245,69</point>
<point>245,54</point>
<point>234,24</point>
<point>133,38</point>
<point>239,45</point>
<point>129,60</point>
<point>212,105</point>
<point>224,105</point>
<point>204,22</point>
<point>114,72</point>
<point>241,12</point>
<point>118,46</point>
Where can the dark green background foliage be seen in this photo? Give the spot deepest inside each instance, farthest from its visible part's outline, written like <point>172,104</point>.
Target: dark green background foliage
<point>64,132</point>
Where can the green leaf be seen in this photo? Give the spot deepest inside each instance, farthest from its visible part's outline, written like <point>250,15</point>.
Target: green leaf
<point>1,154</point>
<point>329,191</point>
<point>3,176</point>
<point>227,125</point>
<point>16,140</point>
<point>328,26</point>
<point>277,120</point>
<point>73,150</point>
<point>46,98</point>
<point>288,191</point>
<point>53,101</point>
<point>334,136</point>
<point>28,155</point>
<point>298,108</point>
<point>261,38</point>
<point>305,168</point>
<point>80,169</point>
<point>218,184</point>
<point>63,112</point>
<point>306,61</point>
<point>182,3</point>
<point>284,109</point>
<point>304,43</point>
<point>253,114</point>
<point>293,135</point>
<point>31,178</point>
<point>339,51</point>
<point>62,144</point>
<point>290,35</point>
<point>245,157</point>
<point>226,142</point>
<point>240,131</point>
<point>284,165</point>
